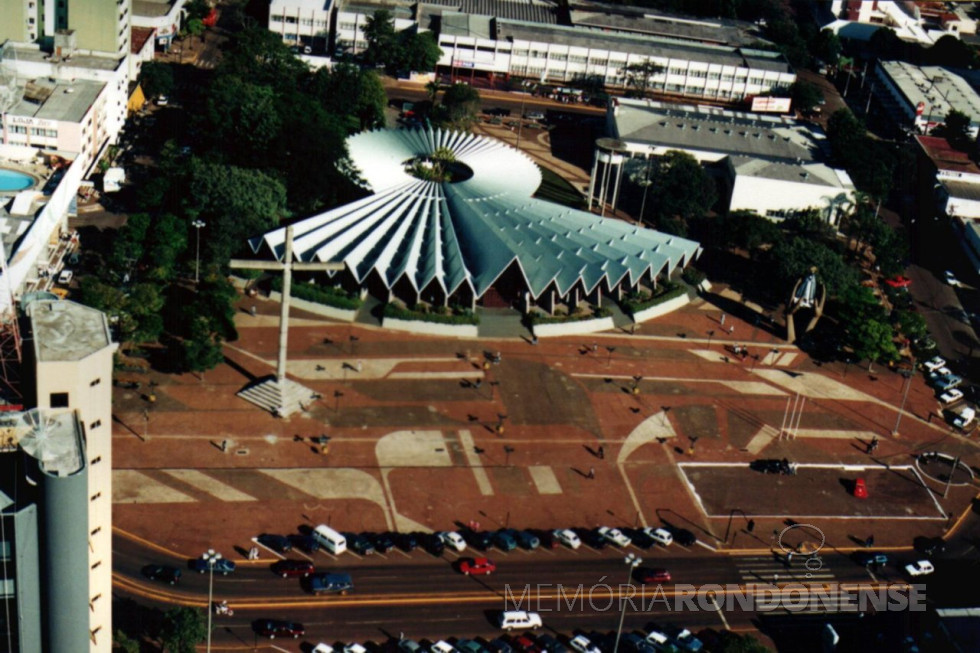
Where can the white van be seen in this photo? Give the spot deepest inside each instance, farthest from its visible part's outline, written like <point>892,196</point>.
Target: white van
<point>330,539</point>
<point>519,619</point>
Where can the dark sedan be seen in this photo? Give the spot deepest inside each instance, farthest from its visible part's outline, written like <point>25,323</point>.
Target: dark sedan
<point>273,628</point>
<point>163,573</point>
<point>278,543</point>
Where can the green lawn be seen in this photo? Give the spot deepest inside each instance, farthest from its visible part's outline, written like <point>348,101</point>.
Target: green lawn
<point>555,189</point>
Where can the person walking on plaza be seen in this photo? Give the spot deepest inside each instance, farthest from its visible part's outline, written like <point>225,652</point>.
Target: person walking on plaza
<point>602,453</point>
<point>592,472</point>
<point>721,321</point>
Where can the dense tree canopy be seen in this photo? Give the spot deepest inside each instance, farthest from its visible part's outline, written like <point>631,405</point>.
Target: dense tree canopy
<point>805,96</point>
<point>182,630</point>
<point>681,187</point>
<point>460,104</point>
<point>156,78</point>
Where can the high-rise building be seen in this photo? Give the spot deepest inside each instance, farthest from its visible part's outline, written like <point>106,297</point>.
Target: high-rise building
<point>56,488</point>
<point>99,25</point>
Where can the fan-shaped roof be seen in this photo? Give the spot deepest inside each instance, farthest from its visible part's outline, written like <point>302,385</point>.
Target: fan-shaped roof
<point>470,231</point>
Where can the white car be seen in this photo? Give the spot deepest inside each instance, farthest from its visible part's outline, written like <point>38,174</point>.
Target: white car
<point>951,278</point>
<point>661,536</point>
<point>581,644</point>
<point>938,373</point>
<point>162,100</point>
<point>568,538</point>
<point>965,418</point>
<point>442,646</point>
<point>519,619</point>
<point>453,540</point>
<point>950,396</point>
<point>615,536</point>
<point>322,648</point>
<point>659,640</point>
<point>933,364</point>
<point>920,568</point>
<point>65,277</point>
<point>354,648</point>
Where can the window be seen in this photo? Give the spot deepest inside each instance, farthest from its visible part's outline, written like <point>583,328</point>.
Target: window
<point>290,20</point>
<point>698,73</point>
<point>677,71</point>
<point>95,383</point>
<point>276,19</point>
<point>59,400</point>
<point>558,56</point>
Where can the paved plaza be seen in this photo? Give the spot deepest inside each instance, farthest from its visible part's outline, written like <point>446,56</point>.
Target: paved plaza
<point>425,437</point>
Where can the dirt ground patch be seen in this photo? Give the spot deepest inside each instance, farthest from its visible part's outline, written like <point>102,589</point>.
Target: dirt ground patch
<point>811,492</point>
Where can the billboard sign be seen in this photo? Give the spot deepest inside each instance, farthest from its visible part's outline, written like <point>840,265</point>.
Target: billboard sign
<point>771,104</point>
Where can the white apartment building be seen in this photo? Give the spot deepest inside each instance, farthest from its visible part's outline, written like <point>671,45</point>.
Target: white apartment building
<point>302,22</point>
<point>164,17</point>
<point>352,17</point>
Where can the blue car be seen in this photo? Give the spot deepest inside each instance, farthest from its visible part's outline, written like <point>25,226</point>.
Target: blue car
<point>504,541</point>
<point>527,540</point>
<point>222,566</point>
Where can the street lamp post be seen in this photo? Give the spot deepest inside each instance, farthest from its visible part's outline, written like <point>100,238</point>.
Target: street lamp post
<point>908,384</point>
<point>198,225</point>
<point>632,562</point>
<point>211,557</point>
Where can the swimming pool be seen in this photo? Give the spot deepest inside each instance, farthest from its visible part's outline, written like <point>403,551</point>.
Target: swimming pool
<point>11,180</point>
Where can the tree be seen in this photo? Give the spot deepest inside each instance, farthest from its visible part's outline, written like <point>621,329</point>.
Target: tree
<point>950,51</point>
<point>846,133</point>
<point>432,90</point>
<point>379,32</point>
<point>792,259</point>
<point>236,203</point>
<point>735,643</point>
<point>260,56</point>
<point>886,44</point>
<point>638,76</point>
<point>873,340</point>
<point>194,27</point>
<point>197,9</point>
<point>747,230</point>
<point>156,78</point>
<point>351,92</point>
<point>805,96</point>
<point>415,51</point>
<point>911,325</point>
<point>826,46</point>
<point>460,104</point>
<point>681,187</point>
<point>956,130</point>
<point>182,630</point>
<point>125,643</point>
<point>166,246</point>
<point>241,119</point>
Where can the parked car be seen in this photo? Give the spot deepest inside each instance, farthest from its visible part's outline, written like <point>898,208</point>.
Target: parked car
<point>582,644</point>
<point>640,539</point>
<point>948,382</point>
<point>591,537</point>
<point>499,645</point>
<point>951,396</point>
<point>278,543</point>
<point>548,539</point>
<point>919,568</point>
<point>293,568</point>
<point>432,543</point>
<point>305,543</point>
<point>331,583</point>
<point>647,575</point>
<point>938,373</point>
<point>273,628</point>
<point>504,540</point>
<point>868,558</point>
<point>965,418</point>
<point>410,646</point>
<point>526,644</point>
<point>478,539</point>
<point>951,278</point>
<point>476,566</point>
<point>635,643</point>
<point>568,537</point>
<point>661,536</point>
<point>497,111</point>
<point>683,639</point>
<point>359,544</point>
<point>469,646</point>
<point>65,277</point>
<point>551,645</point>
<point>222,566</point>
<point>661,642</point>
<point>534,115</point>
<point>383,543</point>
<point>407,542</point>
<point>899,281</point>
<point>527,540</point>
<point>162,101</point>
<point>453,540</point>
<point>683,536</point>
<point>615,536</point>
<point>163,573</point>
<point>934,364</point>
<point>322,648</point>
<point>929,546</point>
<point>519,619</point>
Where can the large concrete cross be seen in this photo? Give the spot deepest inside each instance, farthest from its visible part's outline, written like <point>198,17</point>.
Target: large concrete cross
<point>279,395</point>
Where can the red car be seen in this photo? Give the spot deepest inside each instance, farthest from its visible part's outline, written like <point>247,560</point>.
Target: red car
<point>525,644</point>
<point>899,282</point>
<point>860,489</point>
<point>287,568</point>
<point>653,575</point>
<point>476,566</point>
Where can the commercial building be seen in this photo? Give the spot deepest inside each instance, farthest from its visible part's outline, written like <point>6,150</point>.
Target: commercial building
<point>302,22</point>
<point>474,236</point>
<point>352,17</point>
<point>772,165</point>
<point>164,17</point>
<point>642,20</point>
<point>920,97</point>
<point>554,53</point>
<point>56,488</point>
<point>919,22</point>
<point>950,185</point>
